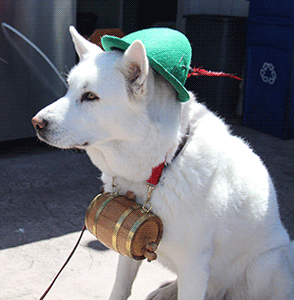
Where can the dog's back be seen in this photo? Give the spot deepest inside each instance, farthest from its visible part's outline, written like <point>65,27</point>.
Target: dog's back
<point>231,207</point>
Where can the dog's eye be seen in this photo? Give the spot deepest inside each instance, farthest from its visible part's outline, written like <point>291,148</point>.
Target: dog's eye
<point>89,96</point>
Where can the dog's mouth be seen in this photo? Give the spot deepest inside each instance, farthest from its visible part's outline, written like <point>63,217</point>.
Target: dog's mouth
<point>42,136</point>
<point>57,136</point>
<point>81,146</point>
<point>55,143</point>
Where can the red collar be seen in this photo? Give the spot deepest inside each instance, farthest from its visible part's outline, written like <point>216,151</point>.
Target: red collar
<point>157,171</point>
<point>156,174</point>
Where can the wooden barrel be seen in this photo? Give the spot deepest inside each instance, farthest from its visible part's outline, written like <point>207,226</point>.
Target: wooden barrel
<point>121,224</point>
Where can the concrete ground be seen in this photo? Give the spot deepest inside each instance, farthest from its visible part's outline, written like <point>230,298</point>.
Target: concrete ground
<point>44,193</point>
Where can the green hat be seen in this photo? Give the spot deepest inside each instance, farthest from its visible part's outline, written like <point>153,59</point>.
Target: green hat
<point>169,53</point>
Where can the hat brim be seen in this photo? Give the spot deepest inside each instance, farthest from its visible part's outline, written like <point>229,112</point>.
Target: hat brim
<point>110,43</point>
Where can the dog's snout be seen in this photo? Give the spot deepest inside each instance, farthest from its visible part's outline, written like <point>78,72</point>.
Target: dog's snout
<point>39,123</point>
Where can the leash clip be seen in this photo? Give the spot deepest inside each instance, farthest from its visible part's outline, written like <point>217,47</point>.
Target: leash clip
<point>115,187</point>
<point>147,206</point>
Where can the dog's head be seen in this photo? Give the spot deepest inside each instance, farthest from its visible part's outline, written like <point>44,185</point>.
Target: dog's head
<point>105,92</point>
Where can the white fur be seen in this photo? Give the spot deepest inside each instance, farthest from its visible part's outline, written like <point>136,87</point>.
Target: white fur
<point>222,232</point>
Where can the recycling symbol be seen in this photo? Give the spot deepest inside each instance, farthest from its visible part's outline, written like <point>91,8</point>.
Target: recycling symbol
<point>267,73</point>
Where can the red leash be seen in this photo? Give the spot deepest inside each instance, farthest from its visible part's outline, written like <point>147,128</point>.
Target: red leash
<point>71,254</point>
<point>153,180</point>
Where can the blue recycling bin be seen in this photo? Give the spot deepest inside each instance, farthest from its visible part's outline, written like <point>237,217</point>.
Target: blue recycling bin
<point>269,81</point>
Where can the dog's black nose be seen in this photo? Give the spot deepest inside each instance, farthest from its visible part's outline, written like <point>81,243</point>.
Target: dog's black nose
<point>39,123</point>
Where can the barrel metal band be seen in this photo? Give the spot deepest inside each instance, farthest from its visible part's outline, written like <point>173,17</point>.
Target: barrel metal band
<point>118,226</point>
<point>90,208</point>
<point>133,231</point>
<point>99,211</point>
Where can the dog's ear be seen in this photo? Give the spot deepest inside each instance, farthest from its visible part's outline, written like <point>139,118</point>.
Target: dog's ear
<point>135,66</point>
<point>83,46</point>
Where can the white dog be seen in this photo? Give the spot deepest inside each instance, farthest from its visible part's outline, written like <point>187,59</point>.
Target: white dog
<point>222,233</point>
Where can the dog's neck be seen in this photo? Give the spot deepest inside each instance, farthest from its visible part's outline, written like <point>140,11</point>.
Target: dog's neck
<point>131,161</point>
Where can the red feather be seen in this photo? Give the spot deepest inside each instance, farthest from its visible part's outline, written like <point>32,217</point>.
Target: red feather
<point>202,72</point>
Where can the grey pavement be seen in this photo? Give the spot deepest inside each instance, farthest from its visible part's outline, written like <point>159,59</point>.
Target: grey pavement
<point>44,193</point>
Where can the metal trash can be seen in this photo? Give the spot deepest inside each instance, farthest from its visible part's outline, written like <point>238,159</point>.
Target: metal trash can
<point>269,100</point>
<point>218,44</point>
<point>28,81</point>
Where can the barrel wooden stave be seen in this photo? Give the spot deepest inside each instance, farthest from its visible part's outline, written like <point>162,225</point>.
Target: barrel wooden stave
<point>148,232</point>
<point>121,225</point>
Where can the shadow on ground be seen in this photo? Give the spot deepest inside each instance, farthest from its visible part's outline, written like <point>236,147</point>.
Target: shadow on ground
<point>44,192</point>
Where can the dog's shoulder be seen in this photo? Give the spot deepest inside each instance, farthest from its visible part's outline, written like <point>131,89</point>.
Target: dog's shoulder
<point>213,149</point>
<point>210,133</point>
